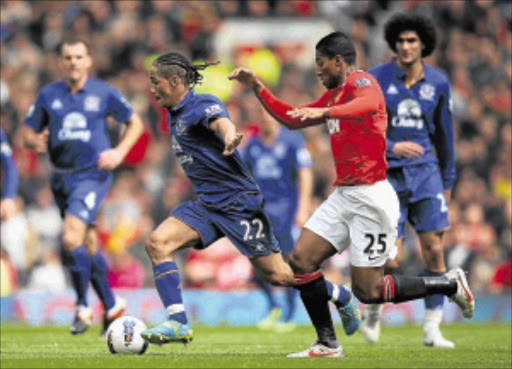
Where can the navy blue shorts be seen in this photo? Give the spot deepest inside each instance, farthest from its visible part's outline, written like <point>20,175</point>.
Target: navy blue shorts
<point>283,231</point>
<point>421,194</point>
<point>243,221</point>
<point>81,193</point>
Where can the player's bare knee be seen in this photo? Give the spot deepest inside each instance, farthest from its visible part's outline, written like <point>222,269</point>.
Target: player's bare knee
<point>300,264</point>
<point>434,256</point>
<point>281,278</point>
<point>368,293</point>
<point>436,250</point>
<point>156,248</point>
<point>71,240</point>
<point>391,266</point>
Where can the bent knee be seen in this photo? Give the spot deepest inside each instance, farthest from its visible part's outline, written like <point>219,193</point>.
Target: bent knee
<point>368,294</point>
<point>71,240</point>
<point>433,248</point>
<point>301,264</point>
<point>283,279</point>
<point>155,246</point>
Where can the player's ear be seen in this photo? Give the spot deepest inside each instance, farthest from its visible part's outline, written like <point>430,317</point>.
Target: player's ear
<point>338,60</point>
<point>174,81</point>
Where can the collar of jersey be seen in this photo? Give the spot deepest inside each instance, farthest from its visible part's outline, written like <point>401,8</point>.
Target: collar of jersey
<point>183,102</point>
<point>84,88</point>
<point>401,75</point>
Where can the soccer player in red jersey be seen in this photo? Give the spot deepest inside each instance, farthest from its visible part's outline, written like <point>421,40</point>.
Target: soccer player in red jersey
<point>363,210</point>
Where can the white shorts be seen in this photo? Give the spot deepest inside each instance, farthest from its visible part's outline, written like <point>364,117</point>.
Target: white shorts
<point>364,217</point>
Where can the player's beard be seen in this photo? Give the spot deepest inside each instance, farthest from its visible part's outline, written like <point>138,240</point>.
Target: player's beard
<point>330,82</point>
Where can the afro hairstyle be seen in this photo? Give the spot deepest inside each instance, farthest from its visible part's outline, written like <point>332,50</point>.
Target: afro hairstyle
<point>423,26</point>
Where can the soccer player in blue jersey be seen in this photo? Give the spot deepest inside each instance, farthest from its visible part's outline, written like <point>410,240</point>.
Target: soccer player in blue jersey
<point>68,120</point>
<point>229,201</point>
<point>281,165</point>
<point>420,153</point>
<point>9,179</point>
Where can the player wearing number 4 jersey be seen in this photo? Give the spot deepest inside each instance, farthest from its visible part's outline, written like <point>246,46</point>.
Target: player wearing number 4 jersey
<point>363,210</point>
<point>229,201</point>
<point>68,120</point>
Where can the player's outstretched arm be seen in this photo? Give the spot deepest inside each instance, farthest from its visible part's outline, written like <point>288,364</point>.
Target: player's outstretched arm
<point>309,114</point>
<point>274,106</point>
<point>110,159</point>
<point>227,131</point>
<point>247,77</point>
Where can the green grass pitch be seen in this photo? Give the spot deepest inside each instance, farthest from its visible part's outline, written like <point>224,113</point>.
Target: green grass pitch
<point>478,346</point>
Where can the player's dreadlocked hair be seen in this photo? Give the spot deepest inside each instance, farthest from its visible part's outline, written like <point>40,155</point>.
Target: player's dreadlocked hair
<point>176,64</point>
<point>337,43</point>
<point>423,26</point>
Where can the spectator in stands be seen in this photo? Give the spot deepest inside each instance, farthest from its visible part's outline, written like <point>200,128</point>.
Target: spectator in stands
<point>122,31</point>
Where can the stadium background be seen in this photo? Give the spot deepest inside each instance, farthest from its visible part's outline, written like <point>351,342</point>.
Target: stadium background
<point>276,39</point>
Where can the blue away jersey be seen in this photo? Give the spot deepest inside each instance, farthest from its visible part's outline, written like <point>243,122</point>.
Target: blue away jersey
<point>275,169</point>
<point>421,114</point>
<point>9,171</point>
<point>216,178</point>
<point>77,122</point>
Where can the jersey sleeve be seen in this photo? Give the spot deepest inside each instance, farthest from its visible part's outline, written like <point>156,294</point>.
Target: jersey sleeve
<point>37,115</point>
<point>209,109</point>
<point>118,107</point>
<point>278,109</point>
<point>10,173</point>
<point>443,137</point>
<point>366,96</point>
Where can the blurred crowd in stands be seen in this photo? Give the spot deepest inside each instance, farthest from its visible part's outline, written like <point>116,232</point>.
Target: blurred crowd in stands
<point>474,50</point>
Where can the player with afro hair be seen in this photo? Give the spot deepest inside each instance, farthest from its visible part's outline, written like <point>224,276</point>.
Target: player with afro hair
<point>412,22</point>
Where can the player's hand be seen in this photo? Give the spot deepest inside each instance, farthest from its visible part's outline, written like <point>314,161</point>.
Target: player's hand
<point>110,159</point>
<point>231,144</point>
<point>41,142</point>
<point>408,149</point>
<point>7,209</point>
<point>245,76</point>
<point>308,113</point>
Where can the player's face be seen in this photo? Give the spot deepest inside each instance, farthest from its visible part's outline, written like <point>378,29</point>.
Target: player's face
<point>161,88</point>
<point>408,47</point>
<point>75,62</point>
<point>330,71</point>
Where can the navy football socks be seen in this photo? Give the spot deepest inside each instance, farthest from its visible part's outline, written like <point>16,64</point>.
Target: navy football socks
<point>433,301</point>
<point>99,281</point>
<point>337,294</point>
<point>77,262</point>
<point>168,285</point>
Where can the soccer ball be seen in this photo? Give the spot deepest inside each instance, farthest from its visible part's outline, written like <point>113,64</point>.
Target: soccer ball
<point>123,336</point>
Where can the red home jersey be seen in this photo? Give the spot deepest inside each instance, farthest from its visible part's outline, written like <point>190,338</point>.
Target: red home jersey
<point>357,125</point>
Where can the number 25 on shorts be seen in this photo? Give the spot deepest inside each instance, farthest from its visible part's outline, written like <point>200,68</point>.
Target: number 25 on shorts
<point>376,245</point>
